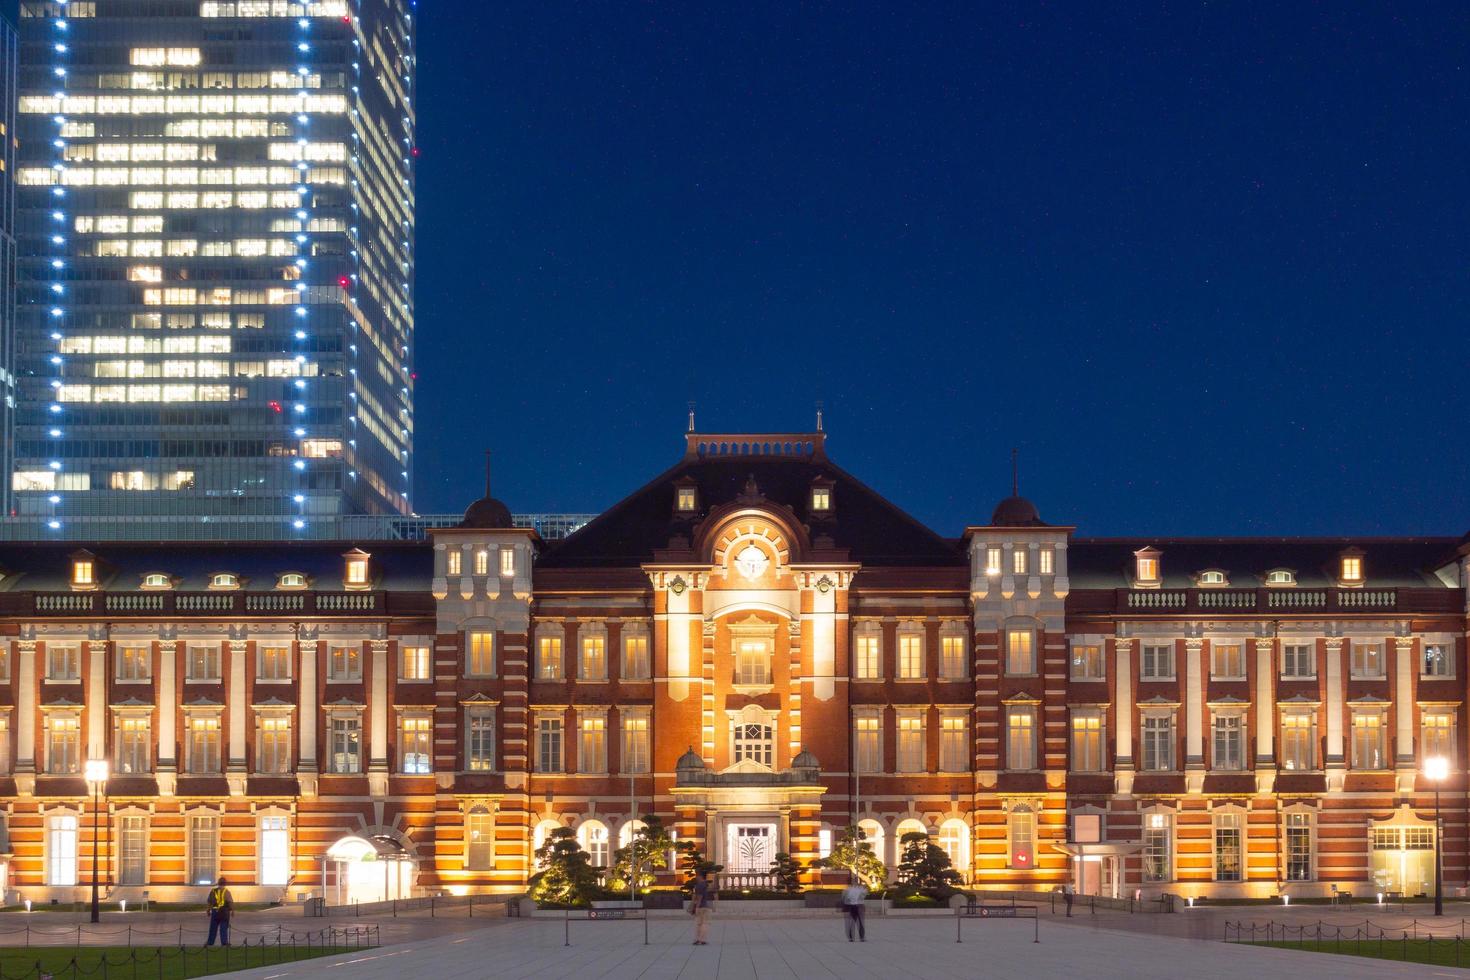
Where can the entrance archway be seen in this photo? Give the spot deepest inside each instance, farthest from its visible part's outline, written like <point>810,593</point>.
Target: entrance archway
<point>357,870</point>
<point>1401,853</point>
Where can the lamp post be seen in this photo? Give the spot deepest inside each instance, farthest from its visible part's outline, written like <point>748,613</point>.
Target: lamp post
<point>96,775</point>
<point>1437,768</point>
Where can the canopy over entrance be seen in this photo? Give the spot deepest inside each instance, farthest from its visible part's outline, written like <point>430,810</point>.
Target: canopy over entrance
<point>374,868</point>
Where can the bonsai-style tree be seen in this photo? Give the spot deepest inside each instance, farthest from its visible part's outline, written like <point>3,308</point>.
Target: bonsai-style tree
<point>648,851</point>
<point>787,872</point>
<point>566,875</point>
<point>925,869</point>
<point>691,862</point>
<point>852,853</point>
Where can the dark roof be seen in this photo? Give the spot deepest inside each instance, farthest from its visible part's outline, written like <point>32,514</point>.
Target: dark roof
<point>399,566</point>
<point>1016,512</point>
<point>869,527</point>
<point>487,513</point>
<point>1107,563</point>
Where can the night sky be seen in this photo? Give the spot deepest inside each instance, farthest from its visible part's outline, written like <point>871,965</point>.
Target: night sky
<point>1205,264</point>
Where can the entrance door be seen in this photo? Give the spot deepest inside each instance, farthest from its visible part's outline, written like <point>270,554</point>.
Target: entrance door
<point>750,848</point>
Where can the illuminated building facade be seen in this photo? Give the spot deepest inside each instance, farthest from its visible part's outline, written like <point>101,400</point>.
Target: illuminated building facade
<point>216,265</point>
<point>763,651</point>
<point>9,60</point>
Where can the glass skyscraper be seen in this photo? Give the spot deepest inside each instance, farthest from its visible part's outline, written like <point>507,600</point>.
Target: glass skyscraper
<point>9,43</point>
<point>214,335</point>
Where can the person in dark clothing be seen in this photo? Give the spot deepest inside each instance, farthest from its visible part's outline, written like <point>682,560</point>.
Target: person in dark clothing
<point>703,896</point>
<point>221,905</point>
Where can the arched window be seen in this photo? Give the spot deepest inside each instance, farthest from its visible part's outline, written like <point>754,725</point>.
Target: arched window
<point>753,737</point>
<point>954,840</point>
<point>873,833</point>
<point>479,839</point>
<point>592,835</point>
<point>627,830</point>
<point>539,836</point>
<point>909,826</point>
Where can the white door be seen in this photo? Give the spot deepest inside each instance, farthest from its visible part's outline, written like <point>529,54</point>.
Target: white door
<point>750,848</point>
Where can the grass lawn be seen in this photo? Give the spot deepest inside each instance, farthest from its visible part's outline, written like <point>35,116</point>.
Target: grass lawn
<point>64,962</point>
<point>1440,952</point>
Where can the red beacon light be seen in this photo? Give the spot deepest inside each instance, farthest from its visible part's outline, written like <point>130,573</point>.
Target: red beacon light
<point>275,406</point>
<point>344,281</point>
<point>414,151</point>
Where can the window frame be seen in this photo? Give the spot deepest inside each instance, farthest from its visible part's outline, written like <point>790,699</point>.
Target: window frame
<point>415,730</point>
<point>1217,650</point>
<point>867,655</point>
<point>1372,651</point>
<point>121,675</point>
<point>953,652</point>
<point>868,752</point>
<point>550,652</point>
<point>1362,713</point>
<point>416,661</point>
<point>1170,655</point>
<point>1168,736</point>
<point>910,739</point>
<point>1096,736</point>
<point>1031,636</point>
<point>1224,722</point>
<point>550,734</point>
<point>1303,736</point>
<point>1446,657</point>
<point>1158,822</point>
<point>349,669</point>
<point>480,739</point>
<point>635,741</point>
<point>631,668</point>
<point>1223,821</point>
<point>262,675</point>
<point>1091,670</point>
<point>592,742</point>
<point>910,653</point>
<point>954,741</point>
<point>345,733</point>
<point>480,654</point>
<point>1017,711</point>
<point>1298,646</point>
<point>1295,819</point>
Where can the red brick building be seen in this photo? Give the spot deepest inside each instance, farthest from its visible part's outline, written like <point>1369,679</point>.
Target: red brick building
<point>761,650</point>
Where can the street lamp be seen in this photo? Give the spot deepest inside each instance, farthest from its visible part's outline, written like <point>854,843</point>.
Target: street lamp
<point>96,775</point>
<point>1437,769</point>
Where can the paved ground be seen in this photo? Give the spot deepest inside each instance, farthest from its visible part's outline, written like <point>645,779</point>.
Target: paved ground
<point>815,948</point>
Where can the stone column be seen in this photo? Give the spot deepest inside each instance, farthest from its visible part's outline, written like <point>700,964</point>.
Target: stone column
<point>1405,760</point>
<point>26,699</point>
<point>168,709</point>
<point>97,651</point>
<point>1265,716</point>
<point>1336,761</point>
<point>239,709</point>
<point>1123,767</point>
<point>1194,715</point>
<point>308,718</point>
<point>378,755</point>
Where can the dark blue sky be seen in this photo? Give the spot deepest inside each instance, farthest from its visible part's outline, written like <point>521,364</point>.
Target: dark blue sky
<point>1205,264</point>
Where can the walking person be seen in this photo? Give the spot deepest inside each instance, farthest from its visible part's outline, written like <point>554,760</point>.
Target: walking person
<point>221,905</point>
<point>854,912</point>
<point>703,898</point>
<point>1067,896</point>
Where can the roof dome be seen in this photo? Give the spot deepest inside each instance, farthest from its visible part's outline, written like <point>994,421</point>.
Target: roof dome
<point>1016,512</point>
<point>690,760</point>
<point>487,513</point>
<point>805,760</point>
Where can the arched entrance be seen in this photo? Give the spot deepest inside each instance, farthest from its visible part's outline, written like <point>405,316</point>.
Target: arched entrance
<point>357,870</point>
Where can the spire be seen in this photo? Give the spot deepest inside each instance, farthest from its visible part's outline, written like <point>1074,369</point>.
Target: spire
<point>487,473</point>
<point>1015,475</point>
<point>691,417</point>
<point>819,416</point>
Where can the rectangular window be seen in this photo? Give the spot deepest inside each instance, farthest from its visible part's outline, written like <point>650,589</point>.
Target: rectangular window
<point>1018,561</point>
<point>414,661</point>
<point>507,562</point>
<point>592,744</point>
<point>61,849</point>
<point>345,743</point>
<point>1368,733</point>
<point>1298,661</point>
<point>753,662</point>
<point>481,661</point>
<point>415,744</point>
<point>204,747</point>
<point>344,663</point>
<point>636,665</point>
<point>1087,662</point>
<point>4,662</point>
<point>1087,740</point>
<point>869,736</point>
<point>273,663</point>
<point>1227,660</point>
<point>275,851</point>
<point>1437,740</point>
<point>1020,652</point>
<point>952,657</point>
<point>1228,840</point>
<point>1158,743</point>
<point>479,739</point>
<point>63,744</point>
<point>868,658</point>
<point>1021,826</point>
<point>1229,742</point>
<point>134,663</point>
<point>203,849</point>
<point>1299,847</point>
<point>134,743</point>
<point>910,656</point>
<point>548,658</point>
<point>132,849</point>
<point>203,663</point>
<point>755,741</point>
<point>1158,847</point>
<point>593,666</point>
<point>453,562</point>
<point>1437,660</point>
<point>1157,663</point>
<point>548,744</point>
<point>63,663</point>
<point>273,745</point>
<point>634,751</point>
<point>954,748</point>
<point>479,833</point>
<point>482,562</point>
<point>1048,561</point>
<point>1021,738</point>
<point>1367,659</point>
<point>1298,741</point>
<point>911,743</point>
<point>992,560</point>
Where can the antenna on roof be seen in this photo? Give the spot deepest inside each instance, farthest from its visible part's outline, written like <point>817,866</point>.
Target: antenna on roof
<point>1015,475</point>
<point>691,416</point>
<point>487,473</point>
<point>819,416</point>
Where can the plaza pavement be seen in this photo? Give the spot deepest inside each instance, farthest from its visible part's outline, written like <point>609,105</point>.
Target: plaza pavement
<point>750,948</point>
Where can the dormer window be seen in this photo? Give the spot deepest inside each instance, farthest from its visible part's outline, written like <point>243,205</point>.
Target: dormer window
<point>1146,567</point>
<point>157,580</point>
<point>355,574</point>
<point>1280,576</point>
<point>83,571</point>
<point>1212,577</point>
<point>687,500</point>
<point>224,580</point>
<point>291,580</point>
<point>507,562</point>
<point>821,499</point>
<point>1351,570</point>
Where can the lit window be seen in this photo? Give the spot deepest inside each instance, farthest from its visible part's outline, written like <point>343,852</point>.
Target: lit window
<point>952,656</point>
<point>869,736</point>
<point>357,570</point>
<point>1021,829</point>
<point>688,499</point>
<point>1438,735</point>
<point>753,662</point>
<point>1158,742</point>
<point>1280,576</point>
<point>274,663</point>
<point>481,660</point>
<point>1229,846</point>
<point>1158,849</point>
<point>1352,568</point>
<point>592,744</point>
<point>1229,741</point>
<point>1147,567</point>
<point>202,663</point>
<point>275,851</point>
<point>635,744</point>
<point>415,735</point>
<point>482,562</point>
<point>1047,559</point>
<point>1298,740</point>
<point>868,658</point>
<point>548,744</point>
<point>821,499</point>
<point>344,743</point>
<point>992,560</point>
<point>1212,578</point>
<point>202,749</point>
<point>1087,662</point>
<point>1087,740</point>
<point>548,658</point>
<point>954,752</point>
<point>83,572</point>
<point>593,662</point>
<point>344,663</point>
<point>1018,561</point>
<point>63,743</point>
<point>910,747</point>
<point>452,559</point>
<point>224,580</point>
<point>1367,659</point>
<point>134,663</point>
<point>273,745</point>
<point>910,655</point>
<point>291,580</point>
<point>636,665</point>
<point>1020,738</point>
<point>1227,660</point>
<point>507,562</point>
<point>1368,740</point>
<point>1020,651</point>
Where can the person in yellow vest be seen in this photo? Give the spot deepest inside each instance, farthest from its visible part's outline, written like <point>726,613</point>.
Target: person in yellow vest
<point>221,905</point>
